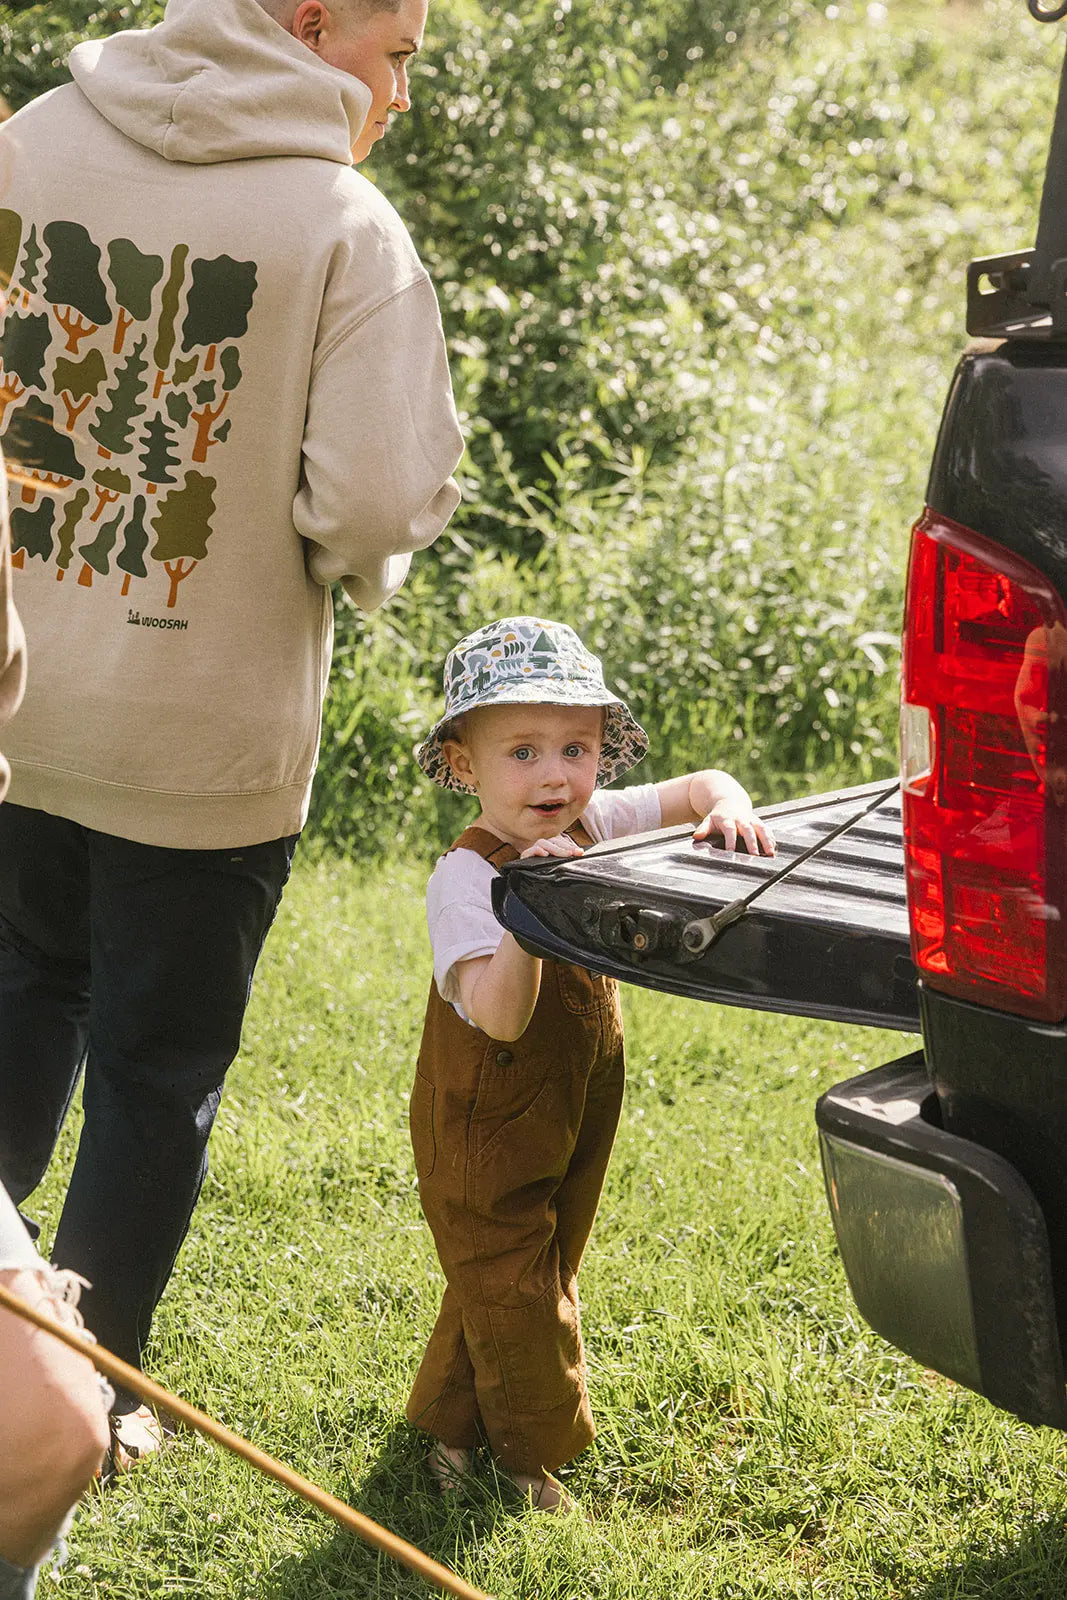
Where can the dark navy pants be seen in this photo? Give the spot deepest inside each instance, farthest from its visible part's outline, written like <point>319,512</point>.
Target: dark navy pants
<point>138,960</point>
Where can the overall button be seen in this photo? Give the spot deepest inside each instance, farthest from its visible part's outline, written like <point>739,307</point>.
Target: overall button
<point>504,1058</point>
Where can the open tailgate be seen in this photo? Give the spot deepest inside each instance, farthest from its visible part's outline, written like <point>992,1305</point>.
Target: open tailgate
<point>830,941</point>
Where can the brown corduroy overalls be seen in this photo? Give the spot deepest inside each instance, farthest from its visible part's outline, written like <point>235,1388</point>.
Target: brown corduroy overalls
<point>511,1147</point>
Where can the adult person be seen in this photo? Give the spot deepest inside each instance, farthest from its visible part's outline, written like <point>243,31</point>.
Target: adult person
<point>231,392</point>
<point>53,1421</point>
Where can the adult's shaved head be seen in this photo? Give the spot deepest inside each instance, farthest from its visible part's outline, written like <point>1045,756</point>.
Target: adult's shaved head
<point>283,11</point>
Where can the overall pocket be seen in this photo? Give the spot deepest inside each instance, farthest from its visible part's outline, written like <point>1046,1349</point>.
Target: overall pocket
<point>420,1119</point>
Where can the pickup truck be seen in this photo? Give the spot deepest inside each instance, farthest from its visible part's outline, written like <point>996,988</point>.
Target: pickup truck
<point>939,908</point>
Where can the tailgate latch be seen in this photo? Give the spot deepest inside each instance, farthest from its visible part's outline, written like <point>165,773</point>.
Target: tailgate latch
<point>633,931</point>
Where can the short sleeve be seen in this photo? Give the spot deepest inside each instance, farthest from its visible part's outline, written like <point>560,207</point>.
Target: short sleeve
<point>615,813</point>
<point>459,913</point>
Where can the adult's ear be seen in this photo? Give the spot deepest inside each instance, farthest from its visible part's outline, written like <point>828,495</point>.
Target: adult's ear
<point>309,23</point>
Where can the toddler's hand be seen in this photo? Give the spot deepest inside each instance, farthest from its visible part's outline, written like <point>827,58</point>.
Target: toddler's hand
<point>731,823</point>
<point>559,845</point>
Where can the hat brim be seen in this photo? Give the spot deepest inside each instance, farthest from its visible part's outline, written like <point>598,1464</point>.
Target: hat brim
<point>625,742</point>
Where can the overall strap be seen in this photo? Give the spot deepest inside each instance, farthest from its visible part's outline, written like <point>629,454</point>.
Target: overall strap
<point>485,844</point>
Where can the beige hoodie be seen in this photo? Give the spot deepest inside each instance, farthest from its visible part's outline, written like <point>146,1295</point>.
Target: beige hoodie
<point>224,387</point>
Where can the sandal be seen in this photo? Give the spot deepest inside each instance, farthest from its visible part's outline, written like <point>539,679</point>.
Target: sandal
<point>134,1436</point>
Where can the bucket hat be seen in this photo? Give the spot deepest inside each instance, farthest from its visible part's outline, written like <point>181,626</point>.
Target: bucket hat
<point>529,661</point>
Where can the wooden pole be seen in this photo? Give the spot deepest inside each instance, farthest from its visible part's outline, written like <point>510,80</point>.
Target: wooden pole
<point>154,1394</point>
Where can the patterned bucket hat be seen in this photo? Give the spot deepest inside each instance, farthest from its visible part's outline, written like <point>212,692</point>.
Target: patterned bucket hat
<point>528,661</point>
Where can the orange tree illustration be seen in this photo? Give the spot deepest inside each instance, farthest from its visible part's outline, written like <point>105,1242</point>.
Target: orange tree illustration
<point>163,348</point>
<point>130,559</point>
<point>134,276</point>
<point>157,453</point>
<point>97,552</point>
<point>112,426</point>
<point>78,382</point>
<point>10,240</point>
<point>67,529</point>
<point>22,351</point>
<point>183,527</point>
<point>73,286</point>
<point>40,455</point>
<point>31,532</point>
<point>111,482</point>
<point>220,298</point>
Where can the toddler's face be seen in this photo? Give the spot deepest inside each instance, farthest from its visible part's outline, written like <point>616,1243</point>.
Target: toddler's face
<point>534,767</point>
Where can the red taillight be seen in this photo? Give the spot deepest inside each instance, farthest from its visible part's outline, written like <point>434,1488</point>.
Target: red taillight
<point>984,764</point>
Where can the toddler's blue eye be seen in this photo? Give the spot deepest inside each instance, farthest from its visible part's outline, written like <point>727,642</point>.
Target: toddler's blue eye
<point>574,750</point>
<point>523,753</point>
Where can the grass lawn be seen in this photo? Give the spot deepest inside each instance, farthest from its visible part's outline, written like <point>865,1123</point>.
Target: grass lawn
<point>756,1438</point>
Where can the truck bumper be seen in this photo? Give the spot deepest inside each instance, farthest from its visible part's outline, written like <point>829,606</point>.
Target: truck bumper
<point>943,1242</point>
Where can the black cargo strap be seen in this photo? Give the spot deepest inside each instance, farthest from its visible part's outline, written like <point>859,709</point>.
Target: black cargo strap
<point>702,932</point>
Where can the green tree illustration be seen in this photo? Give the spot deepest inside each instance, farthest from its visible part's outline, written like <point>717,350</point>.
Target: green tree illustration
<point>111,482</point>
<point>157,454</point>
<point>131,556</point>
<point>67,529</point>
<point>24,347</point>
<point>206,417</point>
<point>40,455</point>
<point>220,298</point>
<point>31,532</point>
<point>73,286</point>
<point>183,527</point>
<point>31,263</point>
<point>230,362</point>
<point>96,554</point>
<point>78,382</point>
<point>134,276</point>
<point>179,409</point>
<point>10,240</point>
<point>168,316</point>
<point>130,559</point>
<point>112,426</point>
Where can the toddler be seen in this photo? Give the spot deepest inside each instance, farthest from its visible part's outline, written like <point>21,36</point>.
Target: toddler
<point>519,1080</point>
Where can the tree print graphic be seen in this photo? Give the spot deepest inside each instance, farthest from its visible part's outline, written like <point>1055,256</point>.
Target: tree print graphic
<point>111,430</point>
<point>111,482</point>
<point>134,276</point>
<point>67,529</point>
<point>166,333</point>
<point>130,559</point>
<point>97,552</point>
<point>220,298</point>
<point>22,352</point>
<point>31,532</point>
<point>31,262</point>
<point>10,240</point>
<point>157,454</point>
<point>41,455</point>
<point>78,382</point>
<point>183,527</point>
<point>179,408</point>
<point>73,286</point>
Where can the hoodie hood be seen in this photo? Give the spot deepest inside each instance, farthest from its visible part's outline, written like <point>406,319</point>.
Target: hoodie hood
<point>220,80</point>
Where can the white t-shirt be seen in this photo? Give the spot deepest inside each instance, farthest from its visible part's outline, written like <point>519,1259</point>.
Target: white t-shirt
<point>459,895</point>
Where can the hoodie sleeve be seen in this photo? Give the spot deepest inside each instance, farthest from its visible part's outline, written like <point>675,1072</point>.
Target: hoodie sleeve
<point>381,442</point>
